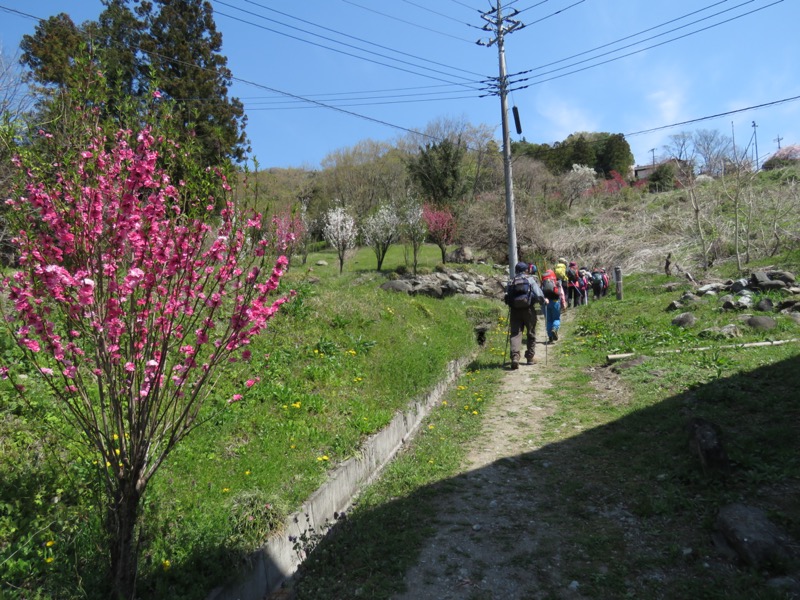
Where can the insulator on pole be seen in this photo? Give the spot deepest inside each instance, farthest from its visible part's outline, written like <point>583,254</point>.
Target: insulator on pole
<point>517,123</point>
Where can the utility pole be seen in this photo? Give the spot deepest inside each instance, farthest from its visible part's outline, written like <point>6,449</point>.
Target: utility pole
<point>496,23</point>
<point>778,139</point>
<point>653,152</point>
<point>755,139</point>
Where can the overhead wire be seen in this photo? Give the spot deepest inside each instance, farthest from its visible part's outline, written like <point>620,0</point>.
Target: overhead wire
<point>636,51</point>
<point>377,12</point>
<point>627,37</point>
<point>716,116</point>
<point>262,86</point>
<point>346,35</point>
<point>467,85</point>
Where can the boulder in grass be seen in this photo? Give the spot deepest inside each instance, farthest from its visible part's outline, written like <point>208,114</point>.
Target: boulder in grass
<point>685,320</point>
<point>784,276</point>
<point>398,285</point>
<point>757,541</point>
<point>773,285</point>
<point>738,285</point>
<point>761,323</point>
<point>765,305</point>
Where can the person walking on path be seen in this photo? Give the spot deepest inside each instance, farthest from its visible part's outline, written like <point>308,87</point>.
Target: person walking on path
<point>551,288</point>
<point>522,295</point>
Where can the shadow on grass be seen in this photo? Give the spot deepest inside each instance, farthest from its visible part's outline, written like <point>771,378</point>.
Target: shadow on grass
<point>621,510</point>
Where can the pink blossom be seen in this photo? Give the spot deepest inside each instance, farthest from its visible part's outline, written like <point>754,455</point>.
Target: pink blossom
<point>235,398</point>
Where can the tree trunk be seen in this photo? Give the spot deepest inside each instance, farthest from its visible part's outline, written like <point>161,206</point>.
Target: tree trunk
<point>123,516</point>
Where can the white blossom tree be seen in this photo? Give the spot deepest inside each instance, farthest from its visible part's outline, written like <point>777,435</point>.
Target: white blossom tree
<point>577,182</point>
<point>414,228</point>
<point>340,231</point>
<point>380,230</point>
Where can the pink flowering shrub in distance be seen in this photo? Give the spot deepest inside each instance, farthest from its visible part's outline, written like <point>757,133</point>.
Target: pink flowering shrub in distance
<point>441,226</point>
<point>127,307</point>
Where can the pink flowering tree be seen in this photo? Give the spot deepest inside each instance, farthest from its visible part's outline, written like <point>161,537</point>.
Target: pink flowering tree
<point>127,309</point>
<point>441,225</point>
<point>287,232</point>
<point>340,231</point>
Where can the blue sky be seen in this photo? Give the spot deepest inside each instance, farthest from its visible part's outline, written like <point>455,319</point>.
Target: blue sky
<point>619,66</point>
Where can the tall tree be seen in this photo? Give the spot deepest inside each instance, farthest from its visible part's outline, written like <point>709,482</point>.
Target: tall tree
<point>52,48</point>
<point>173,44</point>
<point>437,172</point>
<point>614,154</point>
<point>183,48</point>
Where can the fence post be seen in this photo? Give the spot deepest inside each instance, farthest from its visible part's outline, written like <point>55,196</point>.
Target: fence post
<point>618,281</point>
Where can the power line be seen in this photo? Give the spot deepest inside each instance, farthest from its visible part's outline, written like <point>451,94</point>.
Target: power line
<point>635,51</point>
<point>377,12</point>
<point>558,12</point>
<point>261,86</point>
<point>437,13</point>
<point>355,55</point>
<point>346,35</point>
<point>716,116</point>
<point>633,35</point>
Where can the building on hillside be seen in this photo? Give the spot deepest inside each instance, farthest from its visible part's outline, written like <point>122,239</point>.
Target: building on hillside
<point>785,157</point>
<point>644,171</point>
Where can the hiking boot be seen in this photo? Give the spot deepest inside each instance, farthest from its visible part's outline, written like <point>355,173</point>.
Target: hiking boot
<point>514,365</point>
<point>532,360</point>
<point>555,335</point>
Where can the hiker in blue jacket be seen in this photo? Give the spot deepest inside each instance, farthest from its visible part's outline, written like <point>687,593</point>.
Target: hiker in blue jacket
<point>522,295</point>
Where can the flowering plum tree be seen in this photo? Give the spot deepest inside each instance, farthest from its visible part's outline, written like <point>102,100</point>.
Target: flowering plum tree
<point>127,308</point>
<point>413,229</point>
<point>380,230</point>
<point>441,227</point>
<point>340,232</point>
<point>577,182</point>
<point>288,232</point>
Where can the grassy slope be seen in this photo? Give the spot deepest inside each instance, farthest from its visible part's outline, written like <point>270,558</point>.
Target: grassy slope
<point>334,368</point>
<point>633,508</point>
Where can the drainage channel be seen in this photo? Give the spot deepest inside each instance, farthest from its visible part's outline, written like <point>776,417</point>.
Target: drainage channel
<point>277,560</point>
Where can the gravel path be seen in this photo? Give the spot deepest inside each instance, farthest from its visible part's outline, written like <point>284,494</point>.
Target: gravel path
<point>489,543</point>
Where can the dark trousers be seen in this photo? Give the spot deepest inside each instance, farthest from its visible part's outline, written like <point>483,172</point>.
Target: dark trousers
<point>522,319</point>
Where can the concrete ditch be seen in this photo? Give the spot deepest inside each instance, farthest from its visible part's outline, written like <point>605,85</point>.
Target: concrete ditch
<point>278,559</point>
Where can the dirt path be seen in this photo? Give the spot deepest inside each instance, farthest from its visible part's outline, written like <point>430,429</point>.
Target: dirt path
<point>489,543</point>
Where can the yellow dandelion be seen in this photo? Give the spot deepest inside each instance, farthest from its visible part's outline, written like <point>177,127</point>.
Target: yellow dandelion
<point>108,464</point>
<point>247,472</point>
<point>474,412</point>
<point>430,461</point>
<point>116,437</point>
<point>50,543</point>
<point>316,351</point>
<point>322,458</point>
<point>165,564</point>
<point>295,405</point>
<point>431,426</point>
<point>49,559</point>
<point>292,446</point>
<point>226,490</point>
<point>116,451</point>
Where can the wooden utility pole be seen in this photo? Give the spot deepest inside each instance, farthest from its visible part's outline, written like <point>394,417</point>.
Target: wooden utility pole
<point>496,23</point>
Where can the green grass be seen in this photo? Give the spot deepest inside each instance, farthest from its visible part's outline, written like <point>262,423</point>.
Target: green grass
<point>335,366</point>
<point>342,360</point>
<point>632,506</point>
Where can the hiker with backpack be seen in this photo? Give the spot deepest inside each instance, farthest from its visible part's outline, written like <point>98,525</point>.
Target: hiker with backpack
<point>551,288</point>
<point>573,285</point>
<point>521,295</point>
<point>598,285</point>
